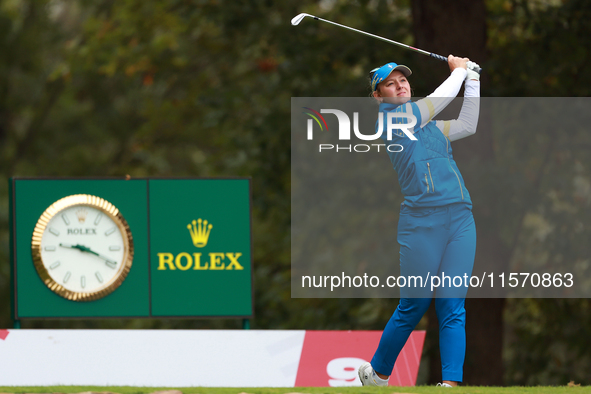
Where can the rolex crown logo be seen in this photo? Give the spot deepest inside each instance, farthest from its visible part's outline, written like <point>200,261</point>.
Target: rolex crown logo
<point>199,230</point>
<point>81,215</point>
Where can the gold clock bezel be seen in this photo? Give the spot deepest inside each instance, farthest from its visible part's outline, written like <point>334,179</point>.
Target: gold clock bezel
<point>107,208</point>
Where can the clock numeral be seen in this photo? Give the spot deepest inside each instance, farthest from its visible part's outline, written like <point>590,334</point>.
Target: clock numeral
<point>110,231</point>
<point>67,277</point>
<point>54,231</point>
<point>98,219</point>
<point>83,281</point>
<point>111,264</point>
<point>66,220</point>
<point>54,265</point>
<point>98,276</point>
<point>49,248</point>
<point>115,248</point>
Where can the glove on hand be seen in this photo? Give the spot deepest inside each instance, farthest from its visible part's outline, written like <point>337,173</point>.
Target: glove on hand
<point>471,73</point>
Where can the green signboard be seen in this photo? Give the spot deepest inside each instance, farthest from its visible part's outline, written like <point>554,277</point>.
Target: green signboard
<point>131,248</point>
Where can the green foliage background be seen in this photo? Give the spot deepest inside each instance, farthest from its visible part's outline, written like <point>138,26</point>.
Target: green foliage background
<point>203,88</point>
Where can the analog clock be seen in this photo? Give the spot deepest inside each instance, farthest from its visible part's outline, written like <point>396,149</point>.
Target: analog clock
<point>82,247</point>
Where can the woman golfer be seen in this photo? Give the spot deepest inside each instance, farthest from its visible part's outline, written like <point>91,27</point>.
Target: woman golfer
<point>436,230</point>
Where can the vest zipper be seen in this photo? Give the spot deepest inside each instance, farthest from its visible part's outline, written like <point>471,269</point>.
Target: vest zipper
<point>450,166</point>
<point>427,182</point>
<point>430,177</point>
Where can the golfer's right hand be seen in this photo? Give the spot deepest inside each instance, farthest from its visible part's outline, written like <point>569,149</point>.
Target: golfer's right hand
<point>456,62</point>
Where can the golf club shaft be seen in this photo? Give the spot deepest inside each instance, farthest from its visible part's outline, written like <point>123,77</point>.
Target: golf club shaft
<point>431,54</point>
<point>379,38</point>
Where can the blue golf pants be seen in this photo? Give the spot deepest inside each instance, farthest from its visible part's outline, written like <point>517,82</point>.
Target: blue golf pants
<point>433,241</point>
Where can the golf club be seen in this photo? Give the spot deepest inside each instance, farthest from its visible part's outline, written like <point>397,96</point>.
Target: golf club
<point>298,18</point>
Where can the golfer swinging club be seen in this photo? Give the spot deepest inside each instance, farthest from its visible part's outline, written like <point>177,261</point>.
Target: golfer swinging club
<point>436,230</point>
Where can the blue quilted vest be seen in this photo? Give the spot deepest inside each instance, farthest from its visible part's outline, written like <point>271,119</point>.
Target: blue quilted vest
<point>427,172</point>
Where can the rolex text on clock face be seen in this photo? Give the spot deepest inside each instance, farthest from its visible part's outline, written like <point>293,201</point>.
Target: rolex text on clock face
<point>82,247</point>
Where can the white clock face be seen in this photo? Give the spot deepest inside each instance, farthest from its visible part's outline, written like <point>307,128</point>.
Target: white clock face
<point>83,249</point>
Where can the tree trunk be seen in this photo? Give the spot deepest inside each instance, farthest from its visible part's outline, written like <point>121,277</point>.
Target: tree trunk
<point>459,27</point>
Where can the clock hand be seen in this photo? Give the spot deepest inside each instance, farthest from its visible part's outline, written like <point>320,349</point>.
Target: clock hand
<point>83,248</point>
<point>107,259</point>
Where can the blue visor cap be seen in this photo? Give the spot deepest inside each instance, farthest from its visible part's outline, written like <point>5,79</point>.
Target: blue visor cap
<point>381,73</point>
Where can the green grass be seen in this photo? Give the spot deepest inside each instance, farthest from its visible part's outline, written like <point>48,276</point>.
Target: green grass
<point>306,390</point>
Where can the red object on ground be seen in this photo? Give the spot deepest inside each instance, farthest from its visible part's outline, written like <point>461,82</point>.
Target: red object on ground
<point>3,334</point>
<point>331,358</point>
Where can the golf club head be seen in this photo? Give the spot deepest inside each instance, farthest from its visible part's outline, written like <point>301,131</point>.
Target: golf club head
<point>298,18</point>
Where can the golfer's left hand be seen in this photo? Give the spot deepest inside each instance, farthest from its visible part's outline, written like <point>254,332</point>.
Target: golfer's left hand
<point>472,75</point>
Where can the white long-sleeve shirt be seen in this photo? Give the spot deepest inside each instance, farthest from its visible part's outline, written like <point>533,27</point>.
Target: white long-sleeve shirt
<point>465,124</point>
